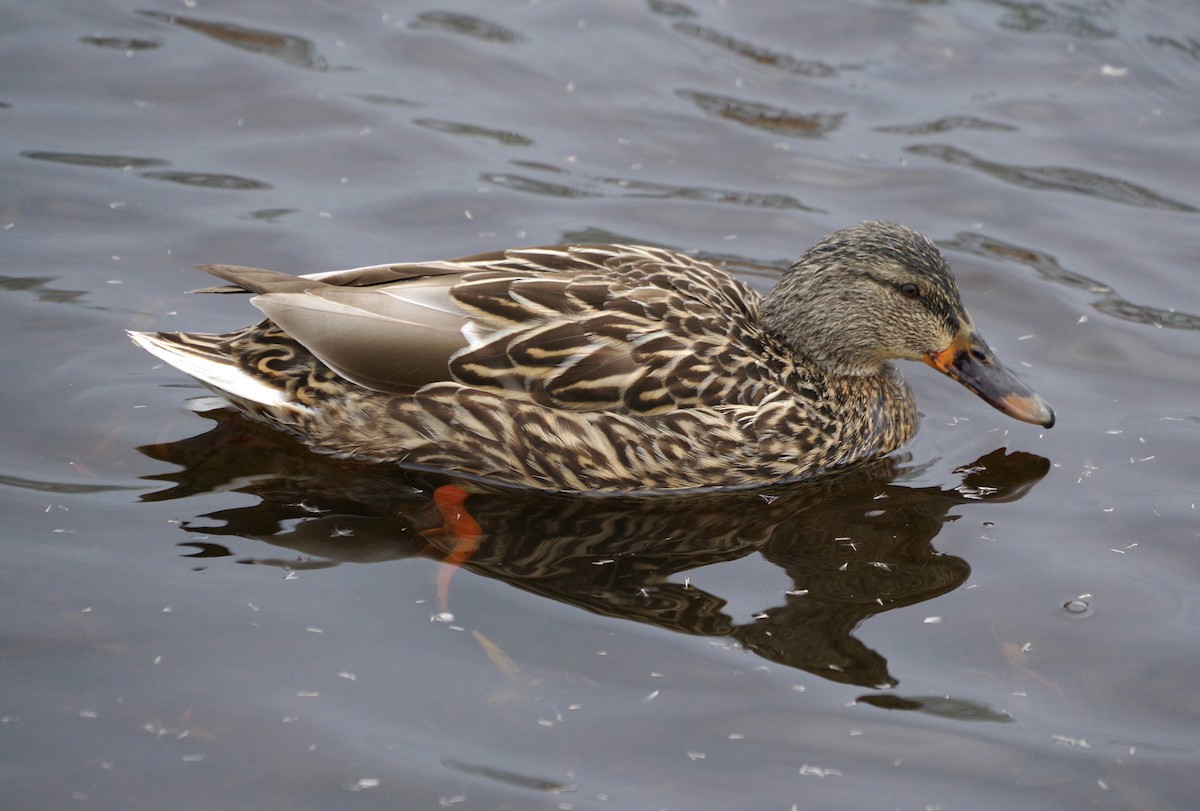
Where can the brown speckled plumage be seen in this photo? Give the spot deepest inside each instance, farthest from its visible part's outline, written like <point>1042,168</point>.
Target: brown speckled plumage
<point>593,368</point>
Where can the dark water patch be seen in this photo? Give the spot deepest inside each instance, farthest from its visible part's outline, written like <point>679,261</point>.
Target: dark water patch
<point>385,100</point>
<point>1188,46</point>
<point>811,68</point>
<point>272,215</point>
<point>1126,310</point>
<point>1054,178</point>
<point>506,137</point>
<point>1069,19</point>
<point>4,105</point>
<point>121,43</point>
<point>946,124</point>
<point>207,180</point>
<point>466,25</point>
<point>292,50</point>
<point>954,709</point>
<point>39,286</point>
<point>100,161</point>
<point>205,549</point>
<point>1105,298</point>
<point>764,116</point>
<point>509,778</point>
<point>670,8</point>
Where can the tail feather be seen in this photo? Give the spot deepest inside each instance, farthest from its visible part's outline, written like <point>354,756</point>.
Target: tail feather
<point>201,357</point>
<point>260,280</point>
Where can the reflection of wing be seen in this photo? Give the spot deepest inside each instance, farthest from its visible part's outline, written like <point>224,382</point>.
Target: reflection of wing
<point>634,330</point>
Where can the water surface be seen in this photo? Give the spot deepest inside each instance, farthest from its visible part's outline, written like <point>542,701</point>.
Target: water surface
<point>198,613</point>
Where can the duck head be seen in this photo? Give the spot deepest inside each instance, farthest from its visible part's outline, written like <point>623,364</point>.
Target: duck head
<point>879,291</point>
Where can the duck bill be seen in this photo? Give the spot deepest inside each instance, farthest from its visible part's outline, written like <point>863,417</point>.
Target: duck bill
<point>969,361</point>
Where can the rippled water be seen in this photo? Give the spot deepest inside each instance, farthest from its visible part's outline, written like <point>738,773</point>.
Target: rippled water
<point>198,613</point>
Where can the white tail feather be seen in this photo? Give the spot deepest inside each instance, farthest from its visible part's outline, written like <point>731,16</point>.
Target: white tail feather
<point>222,376</point>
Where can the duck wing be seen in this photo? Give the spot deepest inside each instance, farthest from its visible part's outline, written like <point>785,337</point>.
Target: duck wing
<point>589,328</point>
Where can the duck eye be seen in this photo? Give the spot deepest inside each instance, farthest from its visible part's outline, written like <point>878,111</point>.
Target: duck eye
<point>910,290</point>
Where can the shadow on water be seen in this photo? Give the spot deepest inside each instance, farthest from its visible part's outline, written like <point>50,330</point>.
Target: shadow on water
<point>852,545</point>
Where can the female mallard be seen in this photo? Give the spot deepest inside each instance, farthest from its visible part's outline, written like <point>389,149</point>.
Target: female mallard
<point>603,367</point>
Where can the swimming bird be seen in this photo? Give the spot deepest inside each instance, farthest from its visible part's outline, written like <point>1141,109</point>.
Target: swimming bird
<point>603,368</point>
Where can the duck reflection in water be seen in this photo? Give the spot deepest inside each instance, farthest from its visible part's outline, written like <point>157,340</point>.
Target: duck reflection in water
<point>853,544</point>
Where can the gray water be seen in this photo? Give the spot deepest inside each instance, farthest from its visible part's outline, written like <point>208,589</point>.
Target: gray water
<point>196,613</point>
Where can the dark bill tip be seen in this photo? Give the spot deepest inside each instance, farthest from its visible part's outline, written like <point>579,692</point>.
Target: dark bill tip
<point>969,361</point>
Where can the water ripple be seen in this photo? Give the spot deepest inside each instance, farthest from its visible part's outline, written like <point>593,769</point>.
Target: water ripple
<point>101,161</point>
<point>1075,20</point>
<point>505,137</point>
<point>763,116</point>
<point>624,187</point>
<point>206,180</point>
<point>670,8</point>
<point>121,43</point>
<point>465,24</point>
<point>1105,298</point>
<point>60,487</point>
<point>811,68</point>
<point>946,124</point>
<point>1054,178</point>
<point>293,50</point>
<point>38,286</point>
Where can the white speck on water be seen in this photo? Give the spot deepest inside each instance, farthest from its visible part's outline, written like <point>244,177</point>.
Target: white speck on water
<point>818,771</point>
<point>932,620</point>
<point>88,714</point>
<point>651,697</point>
<point>291,576</point>
<point>1068,741</point>
<point>795,592</point>
<point>1113,71</point>
<point>345,674</point>
<point>444,616</point>
<point>307,694</point>
<point>737,736</point>
<point>696,756</point>
<point>1025,337</point>
<point>446,802</point>
<point>193,758</point>
<point>362,784</point>
<point>312,629</point>
<point>1082,319</point>
<point>799,688</point>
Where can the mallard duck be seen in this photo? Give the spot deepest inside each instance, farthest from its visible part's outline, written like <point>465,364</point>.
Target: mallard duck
<point>603,367</point>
